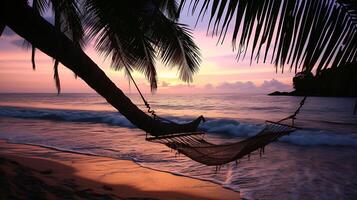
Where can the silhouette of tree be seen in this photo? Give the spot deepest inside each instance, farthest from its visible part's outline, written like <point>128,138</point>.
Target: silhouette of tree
<point>304,82</point>
<point>335,81</point>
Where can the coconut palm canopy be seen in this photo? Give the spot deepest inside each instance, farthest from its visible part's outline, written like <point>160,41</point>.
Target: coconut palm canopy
<point>302,34</point>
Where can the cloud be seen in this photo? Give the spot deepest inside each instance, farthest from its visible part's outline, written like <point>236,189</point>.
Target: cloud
<point>267,86</point>
<point>237,86</point>
<point>274,85</point>
<point>227,87</point>
<point>179,89</point>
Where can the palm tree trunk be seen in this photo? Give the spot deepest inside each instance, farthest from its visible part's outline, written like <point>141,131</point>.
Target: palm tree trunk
<point>31,26</point>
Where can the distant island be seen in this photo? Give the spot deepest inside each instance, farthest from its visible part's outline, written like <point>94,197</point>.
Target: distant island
<point>332,82</point>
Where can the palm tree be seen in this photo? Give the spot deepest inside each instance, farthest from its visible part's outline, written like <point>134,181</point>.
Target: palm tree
<point>132,33</point>
<point>308,35</point>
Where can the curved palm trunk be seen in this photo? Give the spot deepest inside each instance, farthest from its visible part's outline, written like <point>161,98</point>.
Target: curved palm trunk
<point>25,22</point>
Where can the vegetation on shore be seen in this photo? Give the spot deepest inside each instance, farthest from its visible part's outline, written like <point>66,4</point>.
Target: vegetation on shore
<point>334,81</point>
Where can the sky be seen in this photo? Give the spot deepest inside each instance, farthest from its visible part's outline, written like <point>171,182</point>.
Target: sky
<point>219,70</point>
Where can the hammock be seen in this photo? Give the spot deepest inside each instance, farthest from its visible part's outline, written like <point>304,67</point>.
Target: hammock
<point>194,146</point>
<point>186,140</point>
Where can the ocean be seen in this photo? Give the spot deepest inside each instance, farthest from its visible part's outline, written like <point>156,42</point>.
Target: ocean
<point>317,162</point>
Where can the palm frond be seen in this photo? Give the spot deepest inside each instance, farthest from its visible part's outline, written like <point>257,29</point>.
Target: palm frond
<point>56,76</point>
<point>176,47</point>
<point>147,64</point>
<point>70,19</point>
<point>169,8</point>
<point>349,6</point>
<point>39,6</point>
<point>33,52</point>
<point>67,17</point>
<point>303,34</point>
<point>117,34</point>
<point>57,16</point>
<point>186,57</point>
<point>133,37</point>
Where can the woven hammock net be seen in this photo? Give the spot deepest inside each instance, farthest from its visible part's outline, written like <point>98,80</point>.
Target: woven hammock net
<point>194,146</point>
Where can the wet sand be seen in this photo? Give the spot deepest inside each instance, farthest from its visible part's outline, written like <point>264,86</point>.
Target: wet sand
<point>33,172</point>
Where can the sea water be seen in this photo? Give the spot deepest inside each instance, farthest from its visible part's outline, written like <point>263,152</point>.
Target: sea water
<point>316,162</point>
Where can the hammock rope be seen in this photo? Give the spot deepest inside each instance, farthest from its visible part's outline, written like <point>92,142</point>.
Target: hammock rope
<point>151,111</point>
<point>293,116</point>
<point>146,103</point>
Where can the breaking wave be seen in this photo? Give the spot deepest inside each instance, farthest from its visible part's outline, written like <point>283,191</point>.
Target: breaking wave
<point>227,127</point>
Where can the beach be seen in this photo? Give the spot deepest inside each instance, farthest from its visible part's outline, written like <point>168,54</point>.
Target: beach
<point>29,171</point>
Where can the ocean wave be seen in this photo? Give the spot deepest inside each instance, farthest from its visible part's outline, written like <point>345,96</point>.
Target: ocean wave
<point>320,137</point>
<point>231,127</point>
<point>226,127</point>
<point>111,118</point>
<point>304,137</point>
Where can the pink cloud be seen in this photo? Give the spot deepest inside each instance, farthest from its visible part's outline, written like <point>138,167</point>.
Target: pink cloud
<point>228,87</point>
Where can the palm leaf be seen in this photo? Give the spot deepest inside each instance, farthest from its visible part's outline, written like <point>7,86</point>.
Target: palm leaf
<point>177,47</point>
<point>168,7</point>
<point>307,35</point>
<point>56,76</point>
<point>33,52</point>
<point>67,20</point>
<point>39,6</point>
<point>70,22</point>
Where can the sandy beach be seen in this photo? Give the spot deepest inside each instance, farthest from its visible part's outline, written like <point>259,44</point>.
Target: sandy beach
<point>28,171</point>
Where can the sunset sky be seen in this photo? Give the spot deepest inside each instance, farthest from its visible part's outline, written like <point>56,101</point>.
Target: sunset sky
<point>219,70</point>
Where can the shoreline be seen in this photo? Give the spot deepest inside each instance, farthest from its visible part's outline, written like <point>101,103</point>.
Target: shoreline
<point>98,177</point>
<point>103,156</point>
